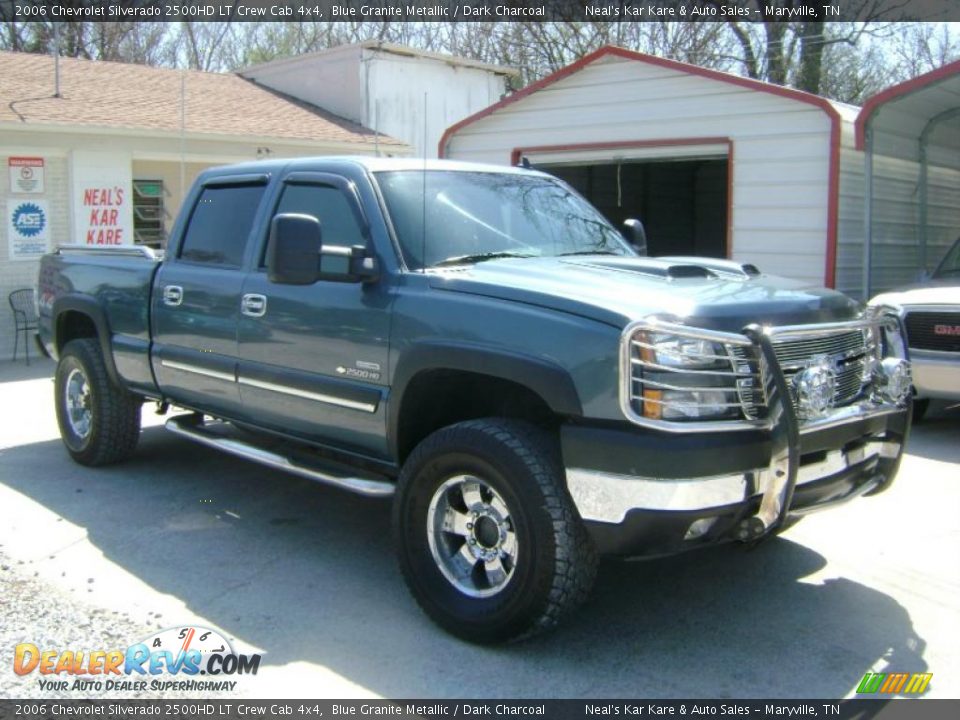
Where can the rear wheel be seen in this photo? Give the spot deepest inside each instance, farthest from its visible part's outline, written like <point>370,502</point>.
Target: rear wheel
<point>488,539</point>
<point>99,420</point>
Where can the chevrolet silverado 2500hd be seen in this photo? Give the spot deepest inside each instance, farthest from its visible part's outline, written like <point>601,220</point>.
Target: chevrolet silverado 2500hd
<point>481,344</point>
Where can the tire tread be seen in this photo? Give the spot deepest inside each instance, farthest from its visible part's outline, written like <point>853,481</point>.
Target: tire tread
<point>575,560</point>
<point>117,415</point>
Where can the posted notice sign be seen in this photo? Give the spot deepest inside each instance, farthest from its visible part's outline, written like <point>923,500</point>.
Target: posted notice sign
<point>28,227</point>
<point>26,174</point>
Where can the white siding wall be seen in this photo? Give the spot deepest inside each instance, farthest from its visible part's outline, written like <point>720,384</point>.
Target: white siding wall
<point>395,89</point>
<point>850,225</point>
<point>332,82</point>
<point>781,147</point>
<point>23,273</point>
<point>384,90</point>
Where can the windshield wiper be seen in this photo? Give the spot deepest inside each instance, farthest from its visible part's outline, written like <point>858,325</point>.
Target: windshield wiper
<point>480,257</point>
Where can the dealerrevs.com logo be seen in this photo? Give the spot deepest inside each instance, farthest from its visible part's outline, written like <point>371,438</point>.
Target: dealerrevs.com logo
<point>199,658</point>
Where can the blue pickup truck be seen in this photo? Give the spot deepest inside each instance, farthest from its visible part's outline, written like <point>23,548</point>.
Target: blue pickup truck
<point>481,344</point>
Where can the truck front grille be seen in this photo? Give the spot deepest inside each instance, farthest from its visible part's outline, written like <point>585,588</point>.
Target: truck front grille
<point>846,351</point>
<point>933,330</point>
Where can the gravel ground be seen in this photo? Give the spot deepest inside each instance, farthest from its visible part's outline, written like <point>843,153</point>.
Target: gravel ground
<point>40,613</point>
<point>43,614</point>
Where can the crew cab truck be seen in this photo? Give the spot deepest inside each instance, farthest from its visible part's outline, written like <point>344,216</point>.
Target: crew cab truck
<point>481,344</point>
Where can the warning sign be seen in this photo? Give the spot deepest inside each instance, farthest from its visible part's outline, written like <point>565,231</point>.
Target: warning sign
<point>26,174</point>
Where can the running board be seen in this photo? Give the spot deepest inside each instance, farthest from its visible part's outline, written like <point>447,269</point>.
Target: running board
<point>189,427</point>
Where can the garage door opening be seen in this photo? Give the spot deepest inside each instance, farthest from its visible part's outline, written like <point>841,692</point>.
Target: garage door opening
<point>683,204</point>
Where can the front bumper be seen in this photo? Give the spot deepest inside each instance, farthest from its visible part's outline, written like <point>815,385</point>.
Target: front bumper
<point>936,374</point>
<point>646,492</point>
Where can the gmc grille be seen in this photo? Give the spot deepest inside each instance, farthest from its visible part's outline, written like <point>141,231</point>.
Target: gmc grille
<point>933,330</point>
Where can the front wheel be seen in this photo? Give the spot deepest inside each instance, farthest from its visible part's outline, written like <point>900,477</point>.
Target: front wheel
<point>488,539</point>
<point>99,420</point>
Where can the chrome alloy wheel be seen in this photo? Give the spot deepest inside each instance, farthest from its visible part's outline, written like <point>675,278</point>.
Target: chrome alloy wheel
<point>77,401</point>
<point>471,536</point>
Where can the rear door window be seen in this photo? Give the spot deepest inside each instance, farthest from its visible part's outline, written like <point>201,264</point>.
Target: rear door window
<point>220,225</point>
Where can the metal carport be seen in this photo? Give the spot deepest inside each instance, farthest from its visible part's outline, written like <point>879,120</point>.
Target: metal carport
<point>910,136</point>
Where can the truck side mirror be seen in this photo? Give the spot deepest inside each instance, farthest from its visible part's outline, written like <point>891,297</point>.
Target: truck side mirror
<point>293,252</point>
<point>634,234</point>
<point>340,263</point>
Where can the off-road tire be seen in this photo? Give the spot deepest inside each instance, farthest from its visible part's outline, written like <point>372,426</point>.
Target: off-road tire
<point>555,564</point>
<point>114,411</point>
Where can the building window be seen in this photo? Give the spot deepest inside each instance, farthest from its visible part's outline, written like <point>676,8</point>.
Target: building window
<point>149,214</point>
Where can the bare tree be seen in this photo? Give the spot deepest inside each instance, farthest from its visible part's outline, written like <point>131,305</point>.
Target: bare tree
<point>917,48</point>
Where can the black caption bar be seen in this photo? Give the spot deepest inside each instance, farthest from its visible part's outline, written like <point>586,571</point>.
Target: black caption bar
<point>479,10</point>
<point>553,709</point>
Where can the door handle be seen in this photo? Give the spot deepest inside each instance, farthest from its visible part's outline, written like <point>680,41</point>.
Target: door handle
<point>172,295</point>
<point>254,305</point>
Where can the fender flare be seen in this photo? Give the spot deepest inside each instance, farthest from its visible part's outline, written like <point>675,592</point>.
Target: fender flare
<point>548,380</point>
<point>86,305</point>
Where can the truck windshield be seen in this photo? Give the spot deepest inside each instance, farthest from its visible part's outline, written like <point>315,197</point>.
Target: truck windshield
<point>950,265</point>
<point>476,216</point>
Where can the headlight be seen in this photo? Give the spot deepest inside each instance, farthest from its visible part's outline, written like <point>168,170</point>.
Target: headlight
<point>696,405</point>
<point>684,352</point>
<point>689,378</point>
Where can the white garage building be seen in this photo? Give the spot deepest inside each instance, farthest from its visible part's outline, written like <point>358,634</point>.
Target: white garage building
<point>714,164</point>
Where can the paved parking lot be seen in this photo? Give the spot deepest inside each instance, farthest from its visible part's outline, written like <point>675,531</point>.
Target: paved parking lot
<point>306,575</point>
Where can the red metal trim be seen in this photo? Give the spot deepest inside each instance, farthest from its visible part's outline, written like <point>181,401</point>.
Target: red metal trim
<point>832,114</point>
<point>730,201</point>
<point>896,91</point>
<point>518,152</point>
<point>833,203</point>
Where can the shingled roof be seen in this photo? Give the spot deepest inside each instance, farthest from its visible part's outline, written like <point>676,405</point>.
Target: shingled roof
<point>138,97</point>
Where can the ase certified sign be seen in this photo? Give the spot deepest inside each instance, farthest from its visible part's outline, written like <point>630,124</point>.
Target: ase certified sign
<point>28,227</point>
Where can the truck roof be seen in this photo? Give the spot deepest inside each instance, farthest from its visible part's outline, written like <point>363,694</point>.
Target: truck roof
<point>369,163</point>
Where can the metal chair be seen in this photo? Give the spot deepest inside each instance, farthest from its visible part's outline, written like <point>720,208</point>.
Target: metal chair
<point>24,318</point>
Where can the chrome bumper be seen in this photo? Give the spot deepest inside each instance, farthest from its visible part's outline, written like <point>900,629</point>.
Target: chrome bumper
<point>936,374</point>
<point>608,497</point>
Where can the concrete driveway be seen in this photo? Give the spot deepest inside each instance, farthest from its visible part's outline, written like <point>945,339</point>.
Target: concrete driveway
<point>306,575</point>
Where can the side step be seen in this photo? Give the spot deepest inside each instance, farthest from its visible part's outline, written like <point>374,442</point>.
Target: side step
<point>190,427</point>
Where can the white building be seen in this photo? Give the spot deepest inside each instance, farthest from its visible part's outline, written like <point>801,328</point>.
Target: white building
<point>712,163</point>
<point>409,94</point>
<point>107,156</point>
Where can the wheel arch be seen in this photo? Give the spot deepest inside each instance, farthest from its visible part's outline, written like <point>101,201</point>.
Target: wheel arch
<point>80,316</point>
<point>483,377</point>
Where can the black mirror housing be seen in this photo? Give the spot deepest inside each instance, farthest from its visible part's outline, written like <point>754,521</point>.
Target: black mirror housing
<point>293,253</point>
<point>635,234</point>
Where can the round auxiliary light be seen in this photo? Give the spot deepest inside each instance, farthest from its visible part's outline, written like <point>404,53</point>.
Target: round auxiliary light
<point>816,385</point>
<point>895,379</point>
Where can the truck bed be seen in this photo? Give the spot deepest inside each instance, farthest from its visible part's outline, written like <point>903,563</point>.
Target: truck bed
<point>115,284</point>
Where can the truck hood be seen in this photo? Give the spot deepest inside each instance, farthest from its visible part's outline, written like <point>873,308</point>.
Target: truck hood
<point>932,292</point>
<point>715,294</point>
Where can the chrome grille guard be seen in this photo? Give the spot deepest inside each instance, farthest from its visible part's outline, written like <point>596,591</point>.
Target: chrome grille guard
<point>779,417</point>
<point>745,374</point>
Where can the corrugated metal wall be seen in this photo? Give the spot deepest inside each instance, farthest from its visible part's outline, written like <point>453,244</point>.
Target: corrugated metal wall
<point>896,221</point>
